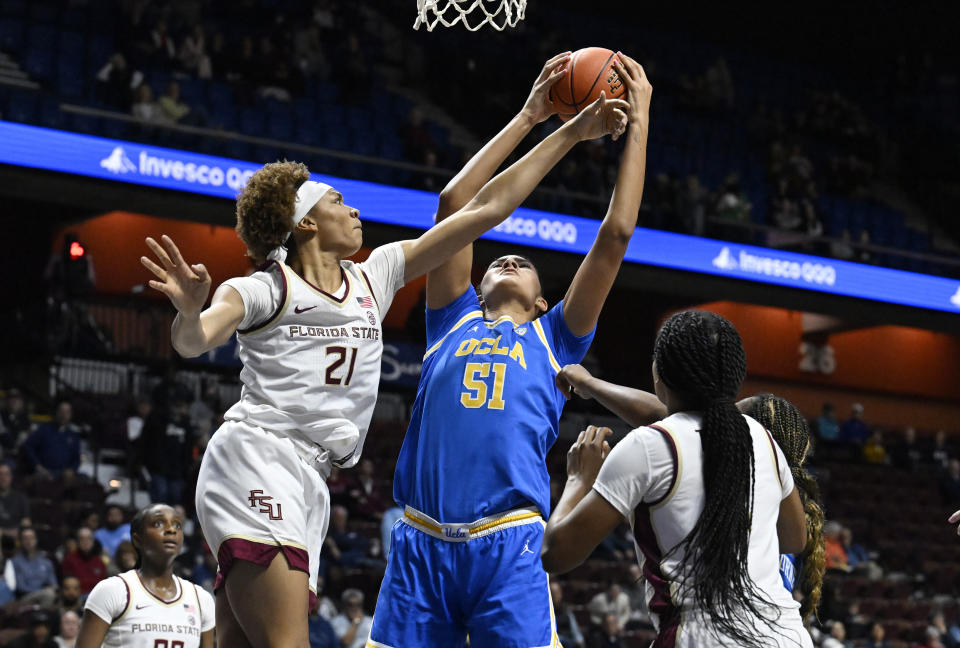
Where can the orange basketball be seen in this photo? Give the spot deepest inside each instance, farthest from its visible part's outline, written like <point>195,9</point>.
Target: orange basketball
<point>589,73</point>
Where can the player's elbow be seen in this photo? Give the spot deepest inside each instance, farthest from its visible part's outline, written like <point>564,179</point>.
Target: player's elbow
<point>186,351</point>
<point>553,557</point>
<point>617,234</point>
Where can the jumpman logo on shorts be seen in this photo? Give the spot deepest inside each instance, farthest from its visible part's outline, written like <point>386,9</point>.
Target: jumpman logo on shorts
<point>526,548</point>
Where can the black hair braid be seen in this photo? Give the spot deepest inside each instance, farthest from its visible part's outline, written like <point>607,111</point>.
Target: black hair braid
<point>791,431</point>
<point>137,527</point>
<point>699,355</point>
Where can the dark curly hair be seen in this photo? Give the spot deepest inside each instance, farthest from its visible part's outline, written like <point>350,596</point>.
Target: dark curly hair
<point>699,356</point>
<point>265,206</point>
<point>789,427</point>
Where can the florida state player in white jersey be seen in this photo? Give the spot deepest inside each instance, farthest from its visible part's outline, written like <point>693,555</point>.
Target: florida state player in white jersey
<point>707,492</point>
<point>149,607</point>
<point>310,339</point>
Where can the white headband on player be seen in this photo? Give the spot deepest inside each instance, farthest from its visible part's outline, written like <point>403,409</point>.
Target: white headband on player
<point>308,195</point>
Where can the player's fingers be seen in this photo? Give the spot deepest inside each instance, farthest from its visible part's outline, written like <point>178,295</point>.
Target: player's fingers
<point>159,285</point>
<point>154,268</point>
<point>553,60</point>
<point>618,104</point>
<point>606,449</point>
<point>175,255</point>
<point>160,252</point>
<point>563,386</point>
<point>201,271</point>
<point>623,70</point>
<point>954,518</point>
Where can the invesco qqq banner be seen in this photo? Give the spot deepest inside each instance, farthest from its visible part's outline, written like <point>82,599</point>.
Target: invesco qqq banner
<point>152,166</point>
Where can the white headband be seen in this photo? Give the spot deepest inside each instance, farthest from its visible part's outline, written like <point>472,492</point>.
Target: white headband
<point>308,195</point>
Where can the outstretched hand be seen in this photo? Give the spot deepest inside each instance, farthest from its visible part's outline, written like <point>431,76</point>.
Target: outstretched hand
<point>602,117</point>
<point>639,90</point>
<point>538,106</point>
<point>187,286</point>
<point>587,455</point>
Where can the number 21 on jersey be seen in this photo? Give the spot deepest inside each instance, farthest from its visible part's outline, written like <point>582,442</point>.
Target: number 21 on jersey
<point>340,361</point>
<point>475,376</point>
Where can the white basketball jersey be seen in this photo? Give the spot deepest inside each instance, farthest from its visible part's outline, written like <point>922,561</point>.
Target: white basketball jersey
<point>312,369</point>
<point>654,477</point>
<point>139,619</point>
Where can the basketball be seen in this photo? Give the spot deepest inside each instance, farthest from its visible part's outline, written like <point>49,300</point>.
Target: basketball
<point>590,72</point>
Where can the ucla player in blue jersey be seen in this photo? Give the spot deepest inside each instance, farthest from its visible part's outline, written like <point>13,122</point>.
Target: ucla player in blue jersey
<point>472,475</point>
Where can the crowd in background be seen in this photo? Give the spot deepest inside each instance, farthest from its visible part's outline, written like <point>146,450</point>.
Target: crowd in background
<point>45,458</point>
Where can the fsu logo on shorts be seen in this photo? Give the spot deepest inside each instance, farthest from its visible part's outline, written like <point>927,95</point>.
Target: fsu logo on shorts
<point>258,499</point>
<point>372,318</point>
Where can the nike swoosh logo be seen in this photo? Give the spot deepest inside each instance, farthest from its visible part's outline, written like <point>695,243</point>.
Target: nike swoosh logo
<point>140,607</point>
<point>299,310</point>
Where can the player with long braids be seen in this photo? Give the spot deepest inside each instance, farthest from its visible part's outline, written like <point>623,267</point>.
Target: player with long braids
<point>310,339</point>
<point>707,492</point>
<point>791,431</point>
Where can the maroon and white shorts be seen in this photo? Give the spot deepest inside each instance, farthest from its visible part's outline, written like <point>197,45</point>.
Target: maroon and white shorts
<point>259,495</point>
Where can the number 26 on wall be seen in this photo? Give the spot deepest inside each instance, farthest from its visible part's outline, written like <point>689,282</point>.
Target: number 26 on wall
<point>816,358</point>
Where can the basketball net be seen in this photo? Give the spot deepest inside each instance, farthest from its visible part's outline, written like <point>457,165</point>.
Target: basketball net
<point>474,14</point>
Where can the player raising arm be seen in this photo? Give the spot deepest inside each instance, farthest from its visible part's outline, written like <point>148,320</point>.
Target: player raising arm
<point>707,492</point>
<point>310,340</point>
<point>472,472</point>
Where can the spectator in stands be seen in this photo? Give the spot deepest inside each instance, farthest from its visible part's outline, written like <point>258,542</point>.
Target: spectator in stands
<point>857,556</point>
<point>784,211</point>
<point>938,624</point>
<point>36,577</point>
<point>691,205</point>
<point>877,634</point>
<point>70,596</point>
<point>136,420</point>
<point>166,448</point>
<point>309,53</point>
<point>607,634</point>
<point>86,562</point>
<point>873,450</point>
<point>568,630</point>
<point>54,447</point>
<point>320,632</point>
<point>69,630</point>
<point>8,576</point>
<point>941,452</point>
<point>854,430</point>
<point>339,485</point>
<point>837,637</point>
<point>123,559</point>
<point>841,248</point>
<point>612,600</point>
<point>416,138</point>
<point>828,430</point>
<point>193,53</point>
<point>352,625</point>
<point>734,209</point>
<point>220,57</point>
<point>863,255</point>
<point>368,502</point>
<point>833,547</point>
<point>933,639</point>
<point>274,75</point>
<point>174,109</point>
<point>161,49</point>
<point>344,547</point>
<point>37,636</point>
<point>116,82</point>
<point>950,484</point>
<point>145,108</point>
<point>14,505</point>
<point>114,531</point>
<point>907,453</point>
<point>856,624</point>
<point>14,421</point>
<point>354,72</point>
<point>636,592</point>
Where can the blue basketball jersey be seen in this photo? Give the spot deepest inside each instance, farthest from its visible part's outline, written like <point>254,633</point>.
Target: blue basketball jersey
<point>486,414</point>
<point>789,564</point>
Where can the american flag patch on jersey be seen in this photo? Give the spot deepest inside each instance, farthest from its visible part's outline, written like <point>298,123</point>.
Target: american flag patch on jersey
<point>190,608</point>
<point>365,302</point>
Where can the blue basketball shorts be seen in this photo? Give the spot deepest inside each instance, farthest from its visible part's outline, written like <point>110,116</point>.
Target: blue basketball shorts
<point>483,579</point>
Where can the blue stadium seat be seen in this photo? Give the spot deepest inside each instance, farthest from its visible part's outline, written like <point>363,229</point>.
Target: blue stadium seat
<point>42,12</point>
<point>50,115</point>
<point>115,128</point>
<point>11,35</point>
<point>84,124</point>
<point>363,142</point>
<point>99,51</point>
<point>72,44</point>
<point>252,121</point>
<point>304,111</point>
<point>280,127</point>
<point>391,148</point>
<point>192,91</point>
<point>14,7</point>
<point>39,63</point>
<point>22,106</point>
<point>237,150</point>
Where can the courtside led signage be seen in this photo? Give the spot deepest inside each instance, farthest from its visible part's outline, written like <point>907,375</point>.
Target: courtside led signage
<point>153,166</point>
